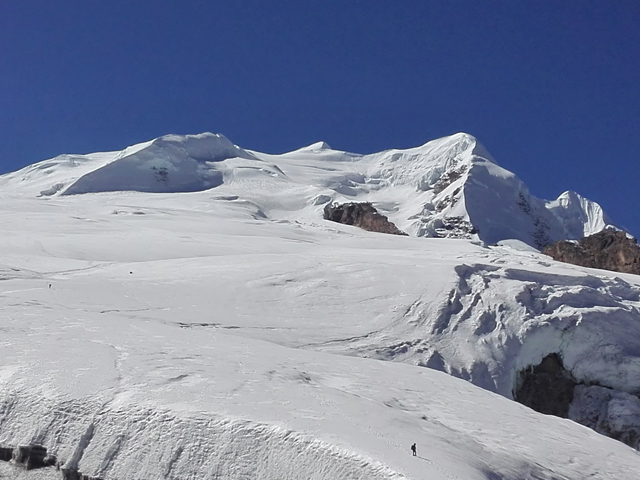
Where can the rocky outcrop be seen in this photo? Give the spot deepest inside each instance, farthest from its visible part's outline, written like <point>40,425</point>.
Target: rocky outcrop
<point>33,456</point>
<point>73,474</point>
<point>546,388</point>
<point>549,388</point>
<point>6,453</point>
<point>609,412</point>
<point>363,215</point>
<point>608,250</point>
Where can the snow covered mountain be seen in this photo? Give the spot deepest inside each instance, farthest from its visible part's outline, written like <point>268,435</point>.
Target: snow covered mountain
<point>450,187</point>
<point>220,328</point>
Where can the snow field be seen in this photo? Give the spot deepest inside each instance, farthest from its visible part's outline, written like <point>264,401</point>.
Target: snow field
<point>449,187</point>
<point>233,333</point>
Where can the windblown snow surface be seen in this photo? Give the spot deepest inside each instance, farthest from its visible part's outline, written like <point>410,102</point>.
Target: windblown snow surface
<point>180,310</point>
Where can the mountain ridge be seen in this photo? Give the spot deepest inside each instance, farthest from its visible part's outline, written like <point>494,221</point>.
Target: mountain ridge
<point>449,187</point>
<point>233,330</point>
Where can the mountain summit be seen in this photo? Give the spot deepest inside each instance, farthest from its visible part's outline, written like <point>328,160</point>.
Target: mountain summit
<point>186,308</point>
<point>450,187</point>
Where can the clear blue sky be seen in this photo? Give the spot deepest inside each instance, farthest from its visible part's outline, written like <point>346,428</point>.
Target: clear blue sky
<point>551,88</point>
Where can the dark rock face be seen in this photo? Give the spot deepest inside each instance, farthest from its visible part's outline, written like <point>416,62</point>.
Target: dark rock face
<point>73,474</point>
<point>362,215</point>
<point>33,456</point>
<point>6,454</point>
<point>546,388</point>
<point>608,250</point>
<point>550,389</point>
<point>612,413</point>
<point>455,227</point>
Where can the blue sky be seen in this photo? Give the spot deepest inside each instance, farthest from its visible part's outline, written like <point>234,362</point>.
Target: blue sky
<point>551,88</point>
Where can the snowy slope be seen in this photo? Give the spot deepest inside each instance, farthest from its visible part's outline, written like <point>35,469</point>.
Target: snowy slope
<point>233,333</point>
<point>450,187</point>
<point>580,216</point>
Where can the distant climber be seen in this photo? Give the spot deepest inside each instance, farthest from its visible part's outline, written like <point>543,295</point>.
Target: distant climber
<point>413,449</point>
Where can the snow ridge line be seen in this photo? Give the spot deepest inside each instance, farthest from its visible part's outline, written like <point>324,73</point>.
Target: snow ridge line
<point>135,442</point>
<point>82,446</point>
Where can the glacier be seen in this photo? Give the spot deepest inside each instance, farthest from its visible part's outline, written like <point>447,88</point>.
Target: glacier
<point>208,323</point>
<point>449,187</point>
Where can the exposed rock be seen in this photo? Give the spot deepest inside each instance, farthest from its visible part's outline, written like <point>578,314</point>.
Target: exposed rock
<point>33,456</point>
<point>448,178</point>
<point>540,233</point>
<point>546,388</point>
<point>52,190</point>
<point>362,215</point>
<point>610,412</point>
<point>454,227</point>
<point>608,250</point>
<point>322,199</point>
<point>550,389</point>
<point>73,474</point>
<point>6,453</point>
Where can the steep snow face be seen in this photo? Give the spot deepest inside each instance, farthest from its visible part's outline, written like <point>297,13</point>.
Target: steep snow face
<point>496,321</point>
<point>500,207</point>
<point>314,147</point>
<point>467,195</point>
<point>449,187</point>
<point>427,167</point>
<point>171,163</point>
<point>579,216</point>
